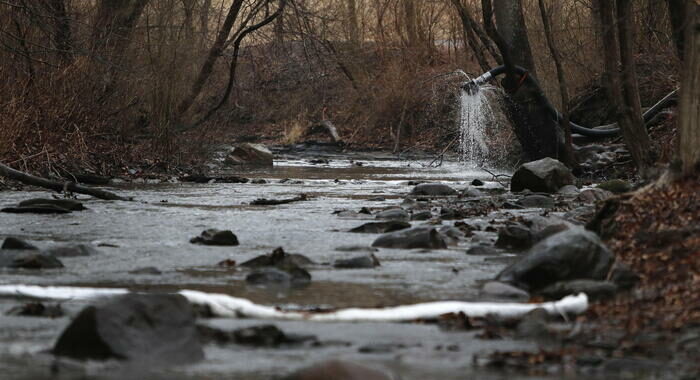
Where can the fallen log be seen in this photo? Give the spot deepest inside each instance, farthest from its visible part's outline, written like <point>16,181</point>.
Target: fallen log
<point>275,202</point>
<point>73,187</point>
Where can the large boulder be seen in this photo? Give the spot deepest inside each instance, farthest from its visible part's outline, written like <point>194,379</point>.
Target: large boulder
<point>418,237</point>
<point>155,328</point>
<point>360,262</point>
<point>250,155</point>
<point>569,255</point>
<point>433,190</point>
<point>546,175</point>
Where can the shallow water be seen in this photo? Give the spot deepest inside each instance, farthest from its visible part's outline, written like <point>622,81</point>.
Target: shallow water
<point>155,230</point>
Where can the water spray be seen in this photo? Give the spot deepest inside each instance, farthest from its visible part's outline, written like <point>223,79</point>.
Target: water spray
<point>610,130</point>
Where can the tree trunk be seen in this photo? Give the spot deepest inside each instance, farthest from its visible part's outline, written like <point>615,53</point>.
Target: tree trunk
<point>561,78</point>
<point>114,23</point>
<point>536,130</point>
<point>62,36</point>
<point>470,35</point>
<point>689,104</point>
<point>676,12</point>
<point>411,21</point>
<point>214,53</point>
<point>353,27</point>
<point>622,89</point>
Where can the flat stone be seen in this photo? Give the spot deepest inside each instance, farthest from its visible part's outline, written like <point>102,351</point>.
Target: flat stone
<point>381,227</point>
<point>433,189</point>
<point>68,204</point>
<point>418,237</point>
<point>216,237</point>
<point>74,250</point>
<point>361,262</point>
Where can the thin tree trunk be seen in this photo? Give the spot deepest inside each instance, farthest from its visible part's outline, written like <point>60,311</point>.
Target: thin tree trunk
<point>676,12</point>
<point>561,78</point>
<point>470,36</point>
<point>689,104</point>
<point>353,27</point>
<point>214,53</point>
<point>631,106</point>
<point>62,36</point>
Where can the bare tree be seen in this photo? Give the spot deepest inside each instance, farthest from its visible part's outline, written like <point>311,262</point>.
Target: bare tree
<point>622,88</point>
<point>535,128</point>
<point>561,78</point>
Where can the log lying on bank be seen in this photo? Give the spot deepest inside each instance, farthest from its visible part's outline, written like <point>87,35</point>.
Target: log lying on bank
<point>29,179</point>
<point>222,305</point>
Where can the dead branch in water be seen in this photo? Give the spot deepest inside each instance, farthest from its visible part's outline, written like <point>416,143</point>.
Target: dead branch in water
<point>275,202</point>
<point>29,179</point>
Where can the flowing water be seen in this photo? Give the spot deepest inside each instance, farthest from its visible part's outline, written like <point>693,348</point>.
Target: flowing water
<point>154,231</point>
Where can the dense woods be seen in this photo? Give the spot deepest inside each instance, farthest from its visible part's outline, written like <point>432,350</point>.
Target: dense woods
<point>94,83</point>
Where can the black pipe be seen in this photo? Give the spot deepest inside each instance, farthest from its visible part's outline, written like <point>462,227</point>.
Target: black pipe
<point>608,130</point>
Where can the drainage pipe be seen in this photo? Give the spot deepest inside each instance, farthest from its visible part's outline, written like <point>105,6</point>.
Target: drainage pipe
<point>608,130</point>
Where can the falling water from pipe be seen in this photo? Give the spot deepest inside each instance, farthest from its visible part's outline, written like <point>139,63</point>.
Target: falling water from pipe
<point>476,115</point>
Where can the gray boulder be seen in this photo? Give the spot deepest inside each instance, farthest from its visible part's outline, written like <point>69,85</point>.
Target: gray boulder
<point>514,236</point>
<point>393,214</point>
<point>569,255</point>
<point>546,175</point>
<point>418,237</point>
<point>152,328</point>
<point>250,155</point>
<point>15,243</point>
<point>433,190</point>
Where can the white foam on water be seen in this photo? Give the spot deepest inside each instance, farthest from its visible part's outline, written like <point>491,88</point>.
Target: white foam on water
<point>226,306</point>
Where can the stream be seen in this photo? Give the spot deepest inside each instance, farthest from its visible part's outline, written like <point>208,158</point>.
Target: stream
<point>155,230</point>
